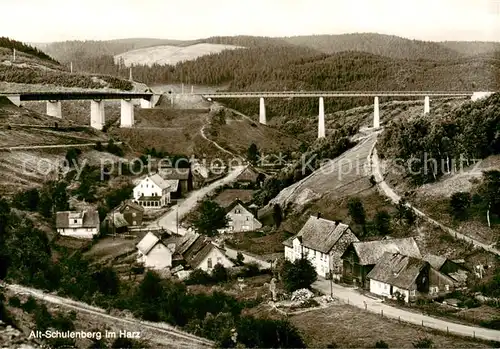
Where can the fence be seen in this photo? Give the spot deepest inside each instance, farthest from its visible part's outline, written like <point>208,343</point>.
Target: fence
<point>425,321</point>
<point>373,160</point>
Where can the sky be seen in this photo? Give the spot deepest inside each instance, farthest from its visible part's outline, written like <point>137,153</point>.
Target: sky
<point>37,21</point>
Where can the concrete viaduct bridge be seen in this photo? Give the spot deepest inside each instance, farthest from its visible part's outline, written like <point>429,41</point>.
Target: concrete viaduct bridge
<point>338,94</point>
<point>97,98</point>
<point>149,100</point>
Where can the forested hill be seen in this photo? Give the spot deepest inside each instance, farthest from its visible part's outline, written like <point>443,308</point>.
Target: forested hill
<point>22,47</point>
<point>77,50</point>
<point>384,45</point>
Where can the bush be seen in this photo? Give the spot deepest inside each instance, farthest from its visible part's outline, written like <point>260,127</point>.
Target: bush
<point>30,305</point>
<point>423,343</point>
<point>493,324</point>
<point>219,274</point>
<point>199,277</point>
<point>249,270</point>
<point>299,274</point>
<point>459,203</point>
<point>15,302</point>
<point>239,258</point>
<point>381,344</point>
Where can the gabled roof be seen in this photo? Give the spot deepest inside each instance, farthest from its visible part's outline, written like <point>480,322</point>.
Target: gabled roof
<point>397,270</point>
<point>248,175</point>
<point>198,250</point>
<point>227,197</point>
<point>185,242</point>
<point>236,203</point>
<point>159,181</point>
<point>121,207</point>
<point>369,252</point>
<point>118,219</point>
<point>147,243</point>
<point>320,234</point>
<point>90,218</point>
<point>174,173</point>
<point>436,262</point>
<point>173,184</point>
<point>155,178</point>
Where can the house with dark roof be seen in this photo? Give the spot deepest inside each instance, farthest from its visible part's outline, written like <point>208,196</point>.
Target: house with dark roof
<point>228,196</point>
<point>398,276</point>
<point>195,251</point>
<point>153,191</point>
<point>360,257</point>
<point>250,176</point>
<point>183,175</point>
<point>241,218</point>
<point>457,271</point>
<point>323,242</point>
<point>82,225</point>
<point>127,214</point>
<point>155,253</point>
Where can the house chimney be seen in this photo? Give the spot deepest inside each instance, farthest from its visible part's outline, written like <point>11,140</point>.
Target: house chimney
<point>318,215</point>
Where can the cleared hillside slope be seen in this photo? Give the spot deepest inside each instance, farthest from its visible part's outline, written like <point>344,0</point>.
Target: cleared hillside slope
<point>169,54</point>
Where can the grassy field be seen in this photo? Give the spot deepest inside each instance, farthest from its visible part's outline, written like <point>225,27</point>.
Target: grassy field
<point>349,327</point>
<point>238,132</point>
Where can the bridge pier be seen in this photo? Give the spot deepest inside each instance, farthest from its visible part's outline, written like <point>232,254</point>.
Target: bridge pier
<point>321,118</point>
<point>97,118</point>
<point>427,106</point>
<point>145,104</point>
<point>262,112</point>
<point>376,113</point>
<point>54,109</point>
<point>127,113</point>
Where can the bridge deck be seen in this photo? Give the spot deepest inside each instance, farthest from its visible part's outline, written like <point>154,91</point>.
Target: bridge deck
<point>338,94</point>
<point>61,96</point>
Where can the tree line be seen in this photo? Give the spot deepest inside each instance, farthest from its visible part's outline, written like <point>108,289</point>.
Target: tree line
<point>22,47</point>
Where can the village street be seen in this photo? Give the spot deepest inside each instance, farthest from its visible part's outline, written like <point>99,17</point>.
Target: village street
<point>169,220</point>
<point>351,296</point>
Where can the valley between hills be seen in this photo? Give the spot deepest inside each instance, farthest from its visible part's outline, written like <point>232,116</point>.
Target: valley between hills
<point>426,212</point>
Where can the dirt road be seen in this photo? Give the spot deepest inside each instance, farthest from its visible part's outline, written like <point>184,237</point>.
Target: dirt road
<point>169,220</point>
<point>386,190</point>
<point>159,333</point>
<point>351,296</point>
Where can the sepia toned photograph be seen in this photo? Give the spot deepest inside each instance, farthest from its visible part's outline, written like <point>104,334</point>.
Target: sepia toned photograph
<point>249,174</point>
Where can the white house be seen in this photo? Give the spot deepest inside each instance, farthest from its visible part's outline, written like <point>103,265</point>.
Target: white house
<point>82,225</point>
<point>240,218</point>
<point>154,253</point>
<point>153,191</point>
<point>322,242</point>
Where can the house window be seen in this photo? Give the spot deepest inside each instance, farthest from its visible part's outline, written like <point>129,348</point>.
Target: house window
<point>248,218</point>
<point>127,208</point>
<point>134,223</point>
<point>412,292</point>
<point>237,211</point>
<point>134,214</point>
<point>75,221</point>
<point>385,286</point>
<point>209,263</point>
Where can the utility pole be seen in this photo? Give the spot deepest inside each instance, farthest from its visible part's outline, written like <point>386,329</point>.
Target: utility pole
<point>71,67</point>
<point>130,74</point>
<point>14,55</point>
<point>331,284</point>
